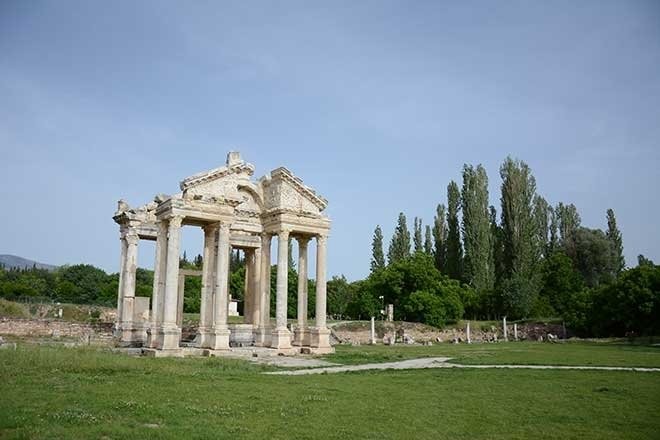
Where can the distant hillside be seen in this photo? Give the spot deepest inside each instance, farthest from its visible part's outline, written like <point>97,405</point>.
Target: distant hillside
<point>10,261</point>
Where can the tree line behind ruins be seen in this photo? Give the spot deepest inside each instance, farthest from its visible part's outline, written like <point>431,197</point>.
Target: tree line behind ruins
<point>528,261</point>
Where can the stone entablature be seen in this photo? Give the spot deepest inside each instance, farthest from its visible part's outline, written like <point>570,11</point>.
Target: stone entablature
<point>234,212</point>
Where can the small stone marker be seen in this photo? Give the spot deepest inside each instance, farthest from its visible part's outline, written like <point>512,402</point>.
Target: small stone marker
<point>373,330</point>
<point>467,333</point>
<point>506,338</point>
<point>390,312</point>
<point>515,331</point>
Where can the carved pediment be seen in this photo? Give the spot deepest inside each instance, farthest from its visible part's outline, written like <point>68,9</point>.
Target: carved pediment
<point>220,182</point>
<point>284,191</point>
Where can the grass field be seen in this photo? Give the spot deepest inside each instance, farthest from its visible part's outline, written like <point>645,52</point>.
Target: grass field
<point>76,393</point>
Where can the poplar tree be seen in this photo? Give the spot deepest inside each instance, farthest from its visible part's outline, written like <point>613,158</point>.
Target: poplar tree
<point>519,237</point>
<point>440,237</point>
<point>553,242</point>
<point>419,245</point>
<point>454,262</point>
<point>400,244</point>
<point>377,256</point>
<point>478,265</point>
<point>569,223</point>
<point>542,217</point>
<point>428,241</point>
<point>616,242</point>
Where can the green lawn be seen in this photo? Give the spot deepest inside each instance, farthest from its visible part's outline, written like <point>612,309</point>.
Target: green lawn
<point>53,393</point>
<point>530,353</point>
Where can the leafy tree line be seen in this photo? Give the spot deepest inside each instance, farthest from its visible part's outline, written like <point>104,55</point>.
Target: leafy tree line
<point>535,260</point>
<point>86,284</point>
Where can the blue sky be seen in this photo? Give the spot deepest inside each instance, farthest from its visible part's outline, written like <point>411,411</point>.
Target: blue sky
<point>375,104</point>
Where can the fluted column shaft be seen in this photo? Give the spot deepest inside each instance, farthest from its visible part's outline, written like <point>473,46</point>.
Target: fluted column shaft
<point>160,261</point>
<point>170,302</point>
<point>282,279</point>
<point>321,244</point>
<point>128,278</point>
<point>265,279</point>
<point>206,305</point>
<point>222,279</point>
<point>302,282</point>
<point>255,286</point>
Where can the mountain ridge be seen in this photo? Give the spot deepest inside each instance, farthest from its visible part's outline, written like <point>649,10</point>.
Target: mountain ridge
<point>14,261</point>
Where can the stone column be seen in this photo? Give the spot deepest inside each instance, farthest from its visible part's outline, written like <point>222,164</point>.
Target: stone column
<point>170,333</point>
<point>301,334</point>
<point>263,332</point>
<point>281,336</point>
<point>221,306</point>
<point>247,288</point>
<point>181,290</point>
<point>320,335</point>
<point>206,305</point>
<point>120,288</point>
<point>129,333</point>
<point>160,262</point>
<point>255,284</point>
<point>506,336</point>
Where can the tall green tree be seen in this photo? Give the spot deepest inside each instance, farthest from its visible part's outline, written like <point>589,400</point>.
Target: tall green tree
<point>478,263</point>
<point>542,217</point>
<point>593,256</point>
<point>440,237</point>
<point>498,246</point>
<point>377,256</point>
<point>569,223</point>
<point>454,261</point>
<point>417,238</point>
<point>553,240</point>
<point>428,240</point>
<point>616,241</point>
<point>400,244</point>
<point>519,234</point>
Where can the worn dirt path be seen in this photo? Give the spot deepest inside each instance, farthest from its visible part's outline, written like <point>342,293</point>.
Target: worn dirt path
<point>442,362</point>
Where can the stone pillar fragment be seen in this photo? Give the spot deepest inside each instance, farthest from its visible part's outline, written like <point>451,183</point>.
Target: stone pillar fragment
<point>120,287</point>
<point>255,287</point>
<point>263,332</point>
<point>467,333</point>
<point>221,306</point>
<point>129,334</point>
<point>247,291</point>
<point>169,333</point>
<point>320,335</point>
<point>506,338</point>
<point>372,339</point>
<point>208,283</point>
<point>160,263</point>
<point>301,334</point>
<point>281,336</point>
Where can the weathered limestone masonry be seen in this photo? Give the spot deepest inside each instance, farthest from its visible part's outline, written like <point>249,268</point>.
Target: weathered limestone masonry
<point>234,212</point>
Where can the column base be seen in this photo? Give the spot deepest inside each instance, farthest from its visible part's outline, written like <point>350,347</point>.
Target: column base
<point>319,338</point>
<point>280,338</point>
<point>301,336</point>
<point>167,338</point>
<point>204,338</point>
<point>262,337</point>
<point>219,339</point>
<point>132,335</point>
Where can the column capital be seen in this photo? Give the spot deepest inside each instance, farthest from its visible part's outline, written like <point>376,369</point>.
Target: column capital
<point>284,234</point>
<point>211,228</point>
<point>302,240</point>
<point>322,238</point>
<point>132,239</point>
<point>224,226</point>
<point>175,221</point>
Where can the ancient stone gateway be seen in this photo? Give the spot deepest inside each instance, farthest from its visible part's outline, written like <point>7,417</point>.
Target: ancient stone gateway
<point>237,213</point>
